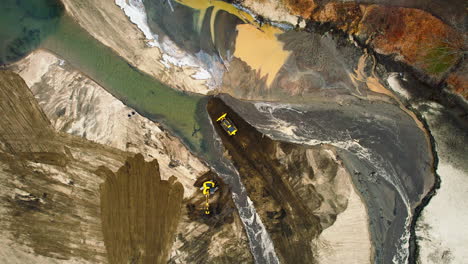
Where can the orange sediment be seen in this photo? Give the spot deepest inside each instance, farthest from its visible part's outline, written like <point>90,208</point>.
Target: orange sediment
<point>261,49</point>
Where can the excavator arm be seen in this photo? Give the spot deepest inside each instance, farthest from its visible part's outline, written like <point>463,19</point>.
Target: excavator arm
<point>207,204</point>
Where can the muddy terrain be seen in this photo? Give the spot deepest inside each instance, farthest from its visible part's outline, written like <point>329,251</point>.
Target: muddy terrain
<point>370,79</point>
<point>49,191</point>
<point>215,238</point>
<point>77,105</point>
<point>51,197</point>
<point>139,212</point>
<point>298,191</point>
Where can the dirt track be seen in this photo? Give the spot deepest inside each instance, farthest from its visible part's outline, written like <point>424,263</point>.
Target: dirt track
<point>281,181</point>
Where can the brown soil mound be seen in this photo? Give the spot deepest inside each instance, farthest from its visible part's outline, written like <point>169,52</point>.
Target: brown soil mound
<point>140,212</point>
<point>221,205</point>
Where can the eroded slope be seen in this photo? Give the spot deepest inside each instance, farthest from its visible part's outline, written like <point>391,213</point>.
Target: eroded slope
<point>77,105</point>
<point>49,191</point>
<point>298,191</point>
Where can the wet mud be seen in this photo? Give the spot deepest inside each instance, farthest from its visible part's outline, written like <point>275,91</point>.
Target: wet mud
<point>139,212</point>
<point>215,238</point>
<point>391,162</point>
<point>281,182</point>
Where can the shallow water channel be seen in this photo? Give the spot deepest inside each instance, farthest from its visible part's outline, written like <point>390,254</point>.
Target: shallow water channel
<point>180,112</point>
<point>43,24</point>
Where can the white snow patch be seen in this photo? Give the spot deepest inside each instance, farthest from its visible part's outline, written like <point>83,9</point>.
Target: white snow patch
<point>395,85</point>
<point>201,75</point>
<point>442,229</point>
<point>172,54</point>
<point>135,10</point>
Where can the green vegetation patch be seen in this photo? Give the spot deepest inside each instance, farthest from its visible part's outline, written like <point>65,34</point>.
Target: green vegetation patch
<point>440,59</point>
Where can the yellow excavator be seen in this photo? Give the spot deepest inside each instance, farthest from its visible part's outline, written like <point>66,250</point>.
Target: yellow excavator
<point>209,187</point>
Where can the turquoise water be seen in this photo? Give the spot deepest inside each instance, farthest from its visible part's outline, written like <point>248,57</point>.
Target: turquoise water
<point>30,24</point>
<point>24,24</point>
<point>138,90</point>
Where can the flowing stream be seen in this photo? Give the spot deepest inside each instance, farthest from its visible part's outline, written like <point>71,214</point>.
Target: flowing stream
<point>179,112</point>
<point>372,141</point>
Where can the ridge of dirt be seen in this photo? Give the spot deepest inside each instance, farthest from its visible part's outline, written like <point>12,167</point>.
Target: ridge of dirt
<point>139,212</point>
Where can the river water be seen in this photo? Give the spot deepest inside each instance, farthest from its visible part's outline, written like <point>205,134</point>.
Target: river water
<point>181,113</point>
<point>24,25</point>
<point>388,154</point>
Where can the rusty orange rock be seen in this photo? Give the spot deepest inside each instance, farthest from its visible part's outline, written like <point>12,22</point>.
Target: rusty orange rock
<point>414,36</point>
<point>345,16</point>
<point>458,83</point>
<point>303,8</point>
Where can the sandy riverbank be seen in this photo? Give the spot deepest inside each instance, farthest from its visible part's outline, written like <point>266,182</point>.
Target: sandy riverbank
<point>79,106</point>
<point>109,24</point>
<point>348,239</point>
<point>76,105</point>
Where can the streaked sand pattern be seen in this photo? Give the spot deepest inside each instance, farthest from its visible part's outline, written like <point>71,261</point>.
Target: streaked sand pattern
<point>261,50</point>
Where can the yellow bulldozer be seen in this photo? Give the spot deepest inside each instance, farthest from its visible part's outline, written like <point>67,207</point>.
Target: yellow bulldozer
<point>227,124</point>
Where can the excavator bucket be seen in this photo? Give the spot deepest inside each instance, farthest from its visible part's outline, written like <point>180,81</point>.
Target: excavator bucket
<point>222,117</point>
<point>207,208</point>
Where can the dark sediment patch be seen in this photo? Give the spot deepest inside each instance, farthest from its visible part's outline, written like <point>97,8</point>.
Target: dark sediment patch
<point>388,158</point>
<point>25,24</point>
<point>139,212</point>
<point>220,231</point>
<point>286,205</point>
